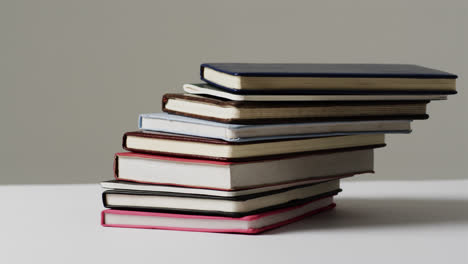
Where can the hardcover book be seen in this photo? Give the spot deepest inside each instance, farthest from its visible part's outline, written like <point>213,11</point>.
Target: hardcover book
<point>204,148</point>
<point>210,90</point>
<point>290,78</point>
<point>168,188</point>
<point>223,175</point>
<point>245,112</point>
<point>168,123</point>
<point>252,224</point>
<point>214,205</point>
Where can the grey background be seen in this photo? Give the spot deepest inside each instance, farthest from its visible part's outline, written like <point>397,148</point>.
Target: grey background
<point>74,75</point>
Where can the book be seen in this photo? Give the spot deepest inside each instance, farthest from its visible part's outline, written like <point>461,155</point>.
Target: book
<point>246,112</point>
<point>252,224</point>
<point>210,90</point>
<point>214,205</point>
<point>154,187</point>
<point>225,175</point>
<point>207,148</point>
<point>290,78</point>
<point>168,123</point>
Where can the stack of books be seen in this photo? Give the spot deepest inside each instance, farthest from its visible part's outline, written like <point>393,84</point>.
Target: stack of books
<point>262,145</point>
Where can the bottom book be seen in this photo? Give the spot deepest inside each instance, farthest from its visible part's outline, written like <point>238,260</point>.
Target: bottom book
<point>251,224</point>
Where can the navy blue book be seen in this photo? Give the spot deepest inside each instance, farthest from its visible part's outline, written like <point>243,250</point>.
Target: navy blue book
<point>313,78</point>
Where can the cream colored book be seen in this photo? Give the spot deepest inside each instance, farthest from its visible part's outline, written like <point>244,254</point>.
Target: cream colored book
<point>231,178</point>
<point>247,112</point>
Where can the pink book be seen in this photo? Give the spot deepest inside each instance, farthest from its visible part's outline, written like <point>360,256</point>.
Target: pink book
<point>251,224</point>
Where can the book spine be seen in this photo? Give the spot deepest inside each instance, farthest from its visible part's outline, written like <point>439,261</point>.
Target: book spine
<point>140,121</point>
<point>116,167</point>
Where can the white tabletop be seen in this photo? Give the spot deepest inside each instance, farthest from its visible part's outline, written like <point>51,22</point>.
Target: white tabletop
<point>374,222</point>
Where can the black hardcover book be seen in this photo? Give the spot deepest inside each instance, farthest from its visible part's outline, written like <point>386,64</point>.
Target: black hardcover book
<point>316,78</point>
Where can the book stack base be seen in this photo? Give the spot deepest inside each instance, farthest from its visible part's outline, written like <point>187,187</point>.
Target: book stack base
<point>251,224</point>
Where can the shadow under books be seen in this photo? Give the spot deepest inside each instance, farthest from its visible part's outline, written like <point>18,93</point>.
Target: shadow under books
<point>357,213</point>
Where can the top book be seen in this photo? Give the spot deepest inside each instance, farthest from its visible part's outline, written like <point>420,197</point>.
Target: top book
<point>312,78</point>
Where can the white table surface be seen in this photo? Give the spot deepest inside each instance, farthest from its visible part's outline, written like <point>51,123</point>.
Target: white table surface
<point>374,222</point>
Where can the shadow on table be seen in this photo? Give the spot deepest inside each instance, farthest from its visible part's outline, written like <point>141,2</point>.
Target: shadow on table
<point>361,213</point>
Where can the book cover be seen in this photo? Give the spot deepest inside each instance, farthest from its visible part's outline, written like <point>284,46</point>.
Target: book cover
<point>331,70</point>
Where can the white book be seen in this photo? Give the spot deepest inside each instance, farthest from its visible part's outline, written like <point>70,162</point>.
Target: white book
<point>169,123</point>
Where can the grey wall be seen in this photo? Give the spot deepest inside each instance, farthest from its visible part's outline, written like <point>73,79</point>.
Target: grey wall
<point>74,75</point>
